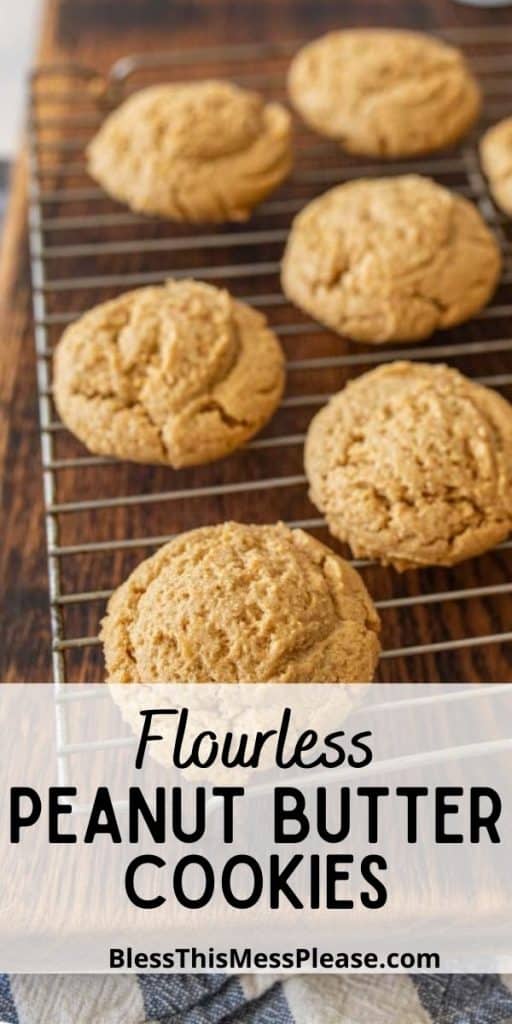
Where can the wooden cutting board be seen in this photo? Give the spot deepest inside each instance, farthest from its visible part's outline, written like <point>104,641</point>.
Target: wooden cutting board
<point>95,33</point>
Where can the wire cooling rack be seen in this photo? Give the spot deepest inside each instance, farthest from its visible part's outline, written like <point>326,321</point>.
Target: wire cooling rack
<point>102,517</point>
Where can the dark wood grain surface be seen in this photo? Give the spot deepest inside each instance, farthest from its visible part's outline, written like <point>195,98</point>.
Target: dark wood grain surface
<point>95,33</point>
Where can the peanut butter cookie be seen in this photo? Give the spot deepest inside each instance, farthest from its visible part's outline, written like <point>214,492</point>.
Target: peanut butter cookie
<point>235,604</point>
<point>179,374</point>
<point>390,259</point>
<point>386,93</point>
<point>198,151</point>
<point>496,157</point>
<point>412,465</point>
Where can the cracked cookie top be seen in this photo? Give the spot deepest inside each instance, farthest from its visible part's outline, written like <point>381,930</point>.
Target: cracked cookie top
<point>390,259</point>
<point>179,374</point>
<point>412,465</point>
<point>496,157</point>
<point>386,93</point>
<point>197,151</point>
<point>234,604</point>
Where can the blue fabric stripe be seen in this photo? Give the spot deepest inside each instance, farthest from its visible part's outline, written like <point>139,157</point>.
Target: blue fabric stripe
<point>8,1014</point>
<point>464,998</point>
<point>169,996</point>
<point>270,1008</point>
<point>217,1009</point>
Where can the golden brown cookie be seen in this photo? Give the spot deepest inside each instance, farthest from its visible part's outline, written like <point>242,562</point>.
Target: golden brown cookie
<point>235,604</point>
<point>412,465</point>
<point>390,259</point>
<point>382,92</point>
<point>197,151</point>
<point>179,374</point>
<point>496,157</point>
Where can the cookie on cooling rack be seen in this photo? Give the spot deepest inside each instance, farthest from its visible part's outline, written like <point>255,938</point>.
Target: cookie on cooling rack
<point>390,259</point>
<point>235,603</point>
<point>412,465</point>
<point>180,374</point>
<point>385,93</point>
<point>198,151</point>
<point>496,157</point>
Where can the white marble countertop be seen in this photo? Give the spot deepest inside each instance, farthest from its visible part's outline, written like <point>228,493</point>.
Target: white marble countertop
<point>18,28</point>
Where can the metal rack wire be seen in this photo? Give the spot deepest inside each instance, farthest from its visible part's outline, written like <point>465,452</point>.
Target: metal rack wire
<point>85,248</point>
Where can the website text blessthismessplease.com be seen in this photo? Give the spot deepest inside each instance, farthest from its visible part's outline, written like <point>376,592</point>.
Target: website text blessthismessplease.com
<point>247,959</point>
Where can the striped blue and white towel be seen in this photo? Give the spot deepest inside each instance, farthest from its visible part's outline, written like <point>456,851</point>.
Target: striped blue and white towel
<point>257,999</point>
